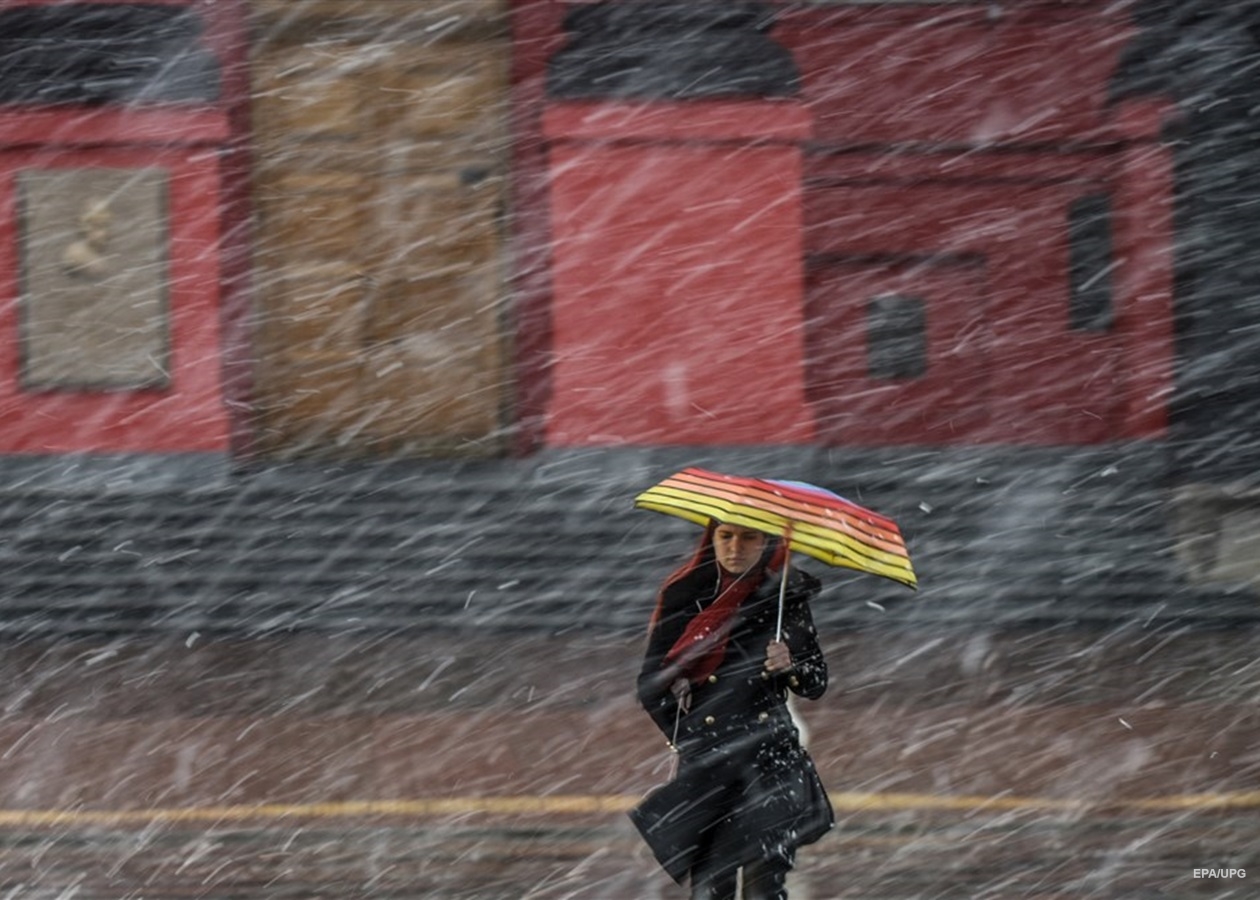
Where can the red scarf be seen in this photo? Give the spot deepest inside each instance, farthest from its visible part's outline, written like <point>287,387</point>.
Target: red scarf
<point>702,647</point>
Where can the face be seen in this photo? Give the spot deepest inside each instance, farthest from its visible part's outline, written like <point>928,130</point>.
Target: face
<point>737,548</point>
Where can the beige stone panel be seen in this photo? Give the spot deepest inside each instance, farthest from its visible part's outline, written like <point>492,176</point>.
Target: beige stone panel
<point>94,307</point>
<point>452,305</point>
<point>455,89</point>
<point>283,183</point>
<point>380,234</point>
<point>435,223</point>
<point>421,389</point>
<point>315,310</point>
<point>401,306</point>
<point>435,252</point>
<point>276,159</point>
<point>417,21</point>
<point>302,92</point>
<point>1238,549</point>
<point>308,400</point>
<point>467,157</point>
<point>1217,529</point>
<point>317,219</point>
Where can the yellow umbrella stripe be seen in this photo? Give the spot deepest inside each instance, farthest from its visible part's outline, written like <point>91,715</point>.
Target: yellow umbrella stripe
<point>825,546</point>
<point>822,542</point>
<point>701,511</point>
<point>797,501</point>
<point>844,552</point>
<point>832,545</point>
<point>867,526</point>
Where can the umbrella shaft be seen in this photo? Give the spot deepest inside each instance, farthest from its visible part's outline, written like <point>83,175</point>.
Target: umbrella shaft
<point>778,627</point>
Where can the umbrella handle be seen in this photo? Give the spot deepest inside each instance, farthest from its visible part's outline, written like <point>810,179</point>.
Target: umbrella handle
<point>673,746</point>
<point>778,627</point>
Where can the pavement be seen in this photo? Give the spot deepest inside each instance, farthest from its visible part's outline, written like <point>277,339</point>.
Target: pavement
<point>1055,762</point>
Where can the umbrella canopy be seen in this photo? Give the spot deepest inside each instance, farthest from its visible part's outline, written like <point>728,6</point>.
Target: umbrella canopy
<point>816,522</point>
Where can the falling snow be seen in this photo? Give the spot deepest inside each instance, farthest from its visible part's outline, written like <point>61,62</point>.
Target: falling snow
<point>322,576</point>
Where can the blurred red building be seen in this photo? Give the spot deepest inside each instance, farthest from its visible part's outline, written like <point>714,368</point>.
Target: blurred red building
<point>901,223</point>
<point>980,236</point>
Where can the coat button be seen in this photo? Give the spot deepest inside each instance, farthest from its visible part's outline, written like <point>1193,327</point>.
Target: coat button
<point>712,679</point>
<point>709,720</point>
<point>762,716</point>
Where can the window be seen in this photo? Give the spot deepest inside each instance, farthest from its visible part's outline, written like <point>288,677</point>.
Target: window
<point>105,53</point>
<point>894,2</point>
<point>1090,263</point>
<point>896,337</point>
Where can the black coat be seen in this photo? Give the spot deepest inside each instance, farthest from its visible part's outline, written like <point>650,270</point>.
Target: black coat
<point>745,787</point>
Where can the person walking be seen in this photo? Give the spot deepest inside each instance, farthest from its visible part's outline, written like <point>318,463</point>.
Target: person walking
<point>715,680</point>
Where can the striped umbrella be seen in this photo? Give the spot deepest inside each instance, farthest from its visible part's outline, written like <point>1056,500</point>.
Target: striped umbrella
<point>815,521</point>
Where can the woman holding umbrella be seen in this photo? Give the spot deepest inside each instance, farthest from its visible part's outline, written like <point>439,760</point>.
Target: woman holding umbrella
<point>726,646</point>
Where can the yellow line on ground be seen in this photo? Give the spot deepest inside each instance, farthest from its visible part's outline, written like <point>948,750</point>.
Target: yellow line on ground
<point>443,806</point>
<point>857,802</point>
<point>1236,800</point>
<point>576,804</point>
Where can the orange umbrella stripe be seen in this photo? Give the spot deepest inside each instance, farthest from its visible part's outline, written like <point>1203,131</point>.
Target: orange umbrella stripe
<point>829,549</point>
<point>827,543</point>
<point>785,497</point>
<point>863,525</point>
<point>825,537</point>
